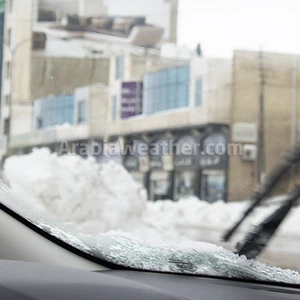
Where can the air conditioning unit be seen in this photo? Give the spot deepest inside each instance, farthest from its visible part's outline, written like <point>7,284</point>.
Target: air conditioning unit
<point>249,152</point>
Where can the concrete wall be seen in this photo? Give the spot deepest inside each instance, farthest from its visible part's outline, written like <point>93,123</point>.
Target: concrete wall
<point>98,111</point>
<point>55,75</point>
<point>277,69</point>
<point>148,63</point>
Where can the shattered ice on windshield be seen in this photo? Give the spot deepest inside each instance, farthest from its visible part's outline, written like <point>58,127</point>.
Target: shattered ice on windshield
<point>196,258</point>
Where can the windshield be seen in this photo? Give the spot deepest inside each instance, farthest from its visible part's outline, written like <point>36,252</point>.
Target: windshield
<point>158,136</point>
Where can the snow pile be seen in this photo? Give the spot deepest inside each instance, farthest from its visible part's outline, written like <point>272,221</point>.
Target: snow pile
<point>77,191</point>
<point>95,199</point>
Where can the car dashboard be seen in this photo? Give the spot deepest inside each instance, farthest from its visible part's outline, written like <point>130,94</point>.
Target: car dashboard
<point>32,281</point>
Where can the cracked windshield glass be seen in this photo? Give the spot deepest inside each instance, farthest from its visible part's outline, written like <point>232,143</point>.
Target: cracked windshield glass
<point>156,135</point>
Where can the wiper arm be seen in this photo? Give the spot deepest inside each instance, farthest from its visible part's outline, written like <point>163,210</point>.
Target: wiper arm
<point>265,189</point>
<point>256,240</point>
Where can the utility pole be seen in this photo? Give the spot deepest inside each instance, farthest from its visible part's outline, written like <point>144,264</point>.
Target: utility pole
<point>261,161</point>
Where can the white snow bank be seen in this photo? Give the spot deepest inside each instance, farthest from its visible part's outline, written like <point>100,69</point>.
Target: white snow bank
<point>77,191</point>
<point>124,249</point>
<point>97,199</point>
<point>194,218</point>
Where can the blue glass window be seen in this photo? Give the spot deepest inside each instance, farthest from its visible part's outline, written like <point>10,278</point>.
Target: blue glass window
<point>56,111</point>
<point>166,89</point>
<point>172,75</point>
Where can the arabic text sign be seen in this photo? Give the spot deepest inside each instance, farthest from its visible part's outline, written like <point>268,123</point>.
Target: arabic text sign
<point>131,99</point>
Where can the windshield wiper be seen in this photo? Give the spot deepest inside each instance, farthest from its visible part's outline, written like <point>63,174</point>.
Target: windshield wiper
<point>265,189</point>
<point>256,240</point>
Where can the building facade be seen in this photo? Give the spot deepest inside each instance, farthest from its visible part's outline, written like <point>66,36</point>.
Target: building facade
<point>183,125</point>
<point>220,113</point>
<point>53,48</point>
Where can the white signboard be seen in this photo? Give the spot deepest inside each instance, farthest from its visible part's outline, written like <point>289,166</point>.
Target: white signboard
<point>244,133</point>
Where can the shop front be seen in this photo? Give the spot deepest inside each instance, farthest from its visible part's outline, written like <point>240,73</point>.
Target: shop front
<point>161,170</point>
<point>137,162</point>
<point>187,168</point>
<point>213,163</point>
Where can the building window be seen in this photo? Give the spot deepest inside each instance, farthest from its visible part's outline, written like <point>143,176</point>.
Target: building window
<point>166,89</point>
<point>213,185</point>
<point>198,92</point>
<point>82,112</point>
<point>56,110</point>
<point>120,67</point>
<point>7,100</point>
<point>39,122</point>
<point>114,107</point>
<point>6,126</point>
<point>7,69</point>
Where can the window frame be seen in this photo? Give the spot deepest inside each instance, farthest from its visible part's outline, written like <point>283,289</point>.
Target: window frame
<point>81,115</point>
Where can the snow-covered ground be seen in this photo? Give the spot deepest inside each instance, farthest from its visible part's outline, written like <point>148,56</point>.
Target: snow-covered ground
<point>93,199</point>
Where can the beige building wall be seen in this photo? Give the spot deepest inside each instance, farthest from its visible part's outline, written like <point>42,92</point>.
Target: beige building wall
<point>142,64</point>
<point>16,65</point>
<point>278,73</point>
<point>98,111</point>
<point>55,75</point>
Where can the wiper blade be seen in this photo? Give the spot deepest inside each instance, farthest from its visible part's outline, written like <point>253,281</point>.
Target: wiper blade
<point>256,240</point>
<point>291,159</point>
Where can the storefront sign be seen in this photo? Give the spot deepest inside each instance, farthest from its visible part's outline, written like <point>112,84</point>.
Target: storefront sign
<point>131,99</point>
<point>244,133</point>
<point>156,164</point>
<point>131,163</point>
<point>210,161</point>
<point>182,161</point>
<point>189,148</point>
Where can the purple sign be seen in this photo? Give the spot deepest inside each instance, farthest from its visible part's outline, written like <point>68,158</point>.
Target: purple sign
<point>131,99</point>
